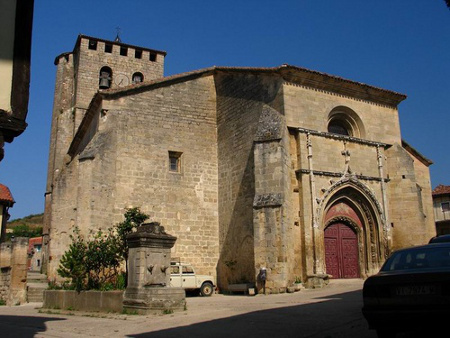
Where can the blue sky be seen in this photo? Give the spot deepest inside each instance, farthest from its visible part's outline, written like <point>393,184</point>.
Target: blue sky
<point>400,45</point>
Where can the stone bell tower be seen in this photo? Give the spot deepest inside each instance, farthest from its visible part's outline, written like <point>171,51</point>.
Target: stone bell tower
<point>93,65</point>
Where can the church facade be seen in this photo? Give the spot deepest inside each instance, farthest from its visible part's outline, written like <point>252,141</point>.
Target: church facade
<point>299,172</point>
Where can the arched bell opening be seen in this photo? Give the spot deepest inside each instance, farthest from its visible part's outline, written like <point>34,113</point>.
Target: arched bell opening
<point>105,77</point>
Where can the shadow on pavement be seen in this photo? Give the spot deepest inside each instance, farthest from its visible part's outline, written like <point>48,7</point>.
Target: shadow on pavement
<point>23,326</point>
<point>328,317</point>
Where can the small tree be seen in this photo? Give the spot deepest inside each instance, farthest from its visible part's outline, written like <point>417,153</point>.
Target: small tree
<point>102,260</point>
<point>73,262</point>
<point>133,218</point>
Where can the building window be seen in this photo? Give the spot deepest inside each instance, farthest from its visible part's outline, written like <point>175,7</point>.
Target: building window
<point>175,161</point>
<point>338,127</point>
<point>108,48</point>
<point>153,57</point>
<point>92,44</point>
<point>105,78</point>
<point>138,77</point>
<point>138,54</point>
<point>344,121</point>
<point>123,51</point>
<point>445,206</point>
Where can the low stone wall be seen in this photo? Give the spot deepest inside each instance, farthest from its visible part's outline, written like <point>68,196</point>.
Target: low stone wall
<point>91,301</point>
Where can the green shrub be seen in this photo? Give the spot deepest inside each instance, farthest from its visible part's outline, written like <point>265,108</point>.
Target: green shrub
<point>95,263</point>
<point>73,262</point>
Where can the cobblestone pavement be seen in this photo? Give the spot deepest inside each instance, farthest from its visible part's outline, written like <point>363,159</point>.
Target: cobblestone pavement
<point>333,311</point>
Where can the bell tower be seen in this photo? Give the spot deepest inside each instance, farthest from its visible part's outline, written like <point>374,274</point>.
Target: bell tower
<point>93,65</point>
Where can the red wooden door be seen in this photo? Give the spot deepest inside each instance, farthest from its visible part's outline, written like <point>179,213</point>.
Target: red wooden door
<point>341,251</point>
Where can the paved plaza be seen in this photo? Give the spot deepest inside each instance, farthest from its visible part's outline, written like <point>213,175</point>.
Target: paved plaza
<point>333,311</point>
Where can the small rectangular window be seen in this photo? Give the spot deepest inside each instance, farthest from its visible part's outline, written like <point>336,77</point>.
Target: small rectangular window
<point>108,48</point>
<point>153,57</point>
<point>445,206</point>
<point>123,51</point>
<point>175,161</point>
<point>92,44</point>
<point>138,54</point>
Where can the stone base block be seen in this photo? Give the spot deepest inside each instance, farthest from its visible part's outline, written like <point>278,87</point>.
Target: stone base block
<point>154,300</point>
<point>317,281</point>
<point>93,301</point>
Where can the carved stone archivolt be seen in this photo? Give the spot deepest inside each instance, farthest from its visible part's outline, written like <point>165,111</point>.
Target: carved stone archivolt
<point>343,219</point>
<point>351,182</point>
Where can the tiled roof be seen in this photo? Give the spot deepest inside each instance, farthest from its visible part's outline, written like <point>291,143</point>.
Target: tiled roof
<point>5,196</point>
<point>441,190</point>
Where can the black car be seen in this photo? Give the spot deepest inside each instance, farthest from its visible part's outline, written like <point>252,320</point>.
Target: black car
<point>440,239</point>
<point>411,291</point>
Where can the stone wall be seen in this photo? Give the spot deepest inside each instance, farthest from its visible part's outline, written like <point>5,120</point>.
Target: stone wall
<point>410,207</point>
<point>310,109</point>
<point>126,164</point>
<point>240,102</point>
<point>13,271</point>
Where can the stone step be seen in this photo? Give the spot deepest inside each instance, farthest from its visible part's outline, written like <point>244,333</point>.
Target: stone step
<point>36,284</point>
<point>39,286</point>
<point>37,299</point>
<point>33,277</point>
<point>35,292</point>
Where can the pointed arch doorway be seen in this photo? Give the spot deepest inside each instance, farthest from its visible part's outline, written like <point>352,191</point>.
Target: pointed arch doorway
<point>341,251</point>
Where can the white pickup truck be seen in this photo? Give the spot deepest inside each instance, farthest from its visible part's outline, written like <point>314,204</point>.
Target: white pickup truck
<point>183,275</point>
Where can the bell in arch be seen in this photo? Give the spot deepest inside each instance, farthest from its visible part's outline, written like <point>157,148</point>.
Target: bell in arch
<point>105,80</point>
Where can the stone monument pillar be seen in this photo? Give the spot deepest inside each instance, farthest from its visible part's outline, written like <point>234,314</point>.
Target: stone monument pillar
<point>148,288</point>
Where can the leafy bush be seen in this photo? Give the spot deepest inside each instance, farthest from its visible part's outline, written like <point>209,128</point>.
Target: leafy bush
<point>24,230</point>
<point>133,219</point>
<point>95,263</point>
<point>73,262</point>
<point>103,260</point>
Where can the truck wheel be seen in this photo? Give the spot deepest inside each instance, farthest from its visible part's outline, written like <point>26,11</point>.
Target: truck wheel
<point>207,289</point>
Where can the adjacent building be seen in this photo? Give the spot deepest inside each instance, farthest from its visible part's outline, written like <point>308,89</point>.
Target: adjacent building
<point>6,202</point>
<point>16,21</point>
<point>296,171</point>
<point>34,262</point>
<point>441,205</point>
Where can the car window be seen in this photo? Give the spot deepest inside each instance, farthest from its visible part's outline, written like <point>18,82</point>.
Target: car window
<point>418,259</point>
<point>174,269</point>
<point>187,269</point>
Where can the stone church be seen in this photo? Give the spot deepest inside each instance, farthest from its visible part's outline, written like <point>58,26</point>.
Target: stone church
<point>296,171</point>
